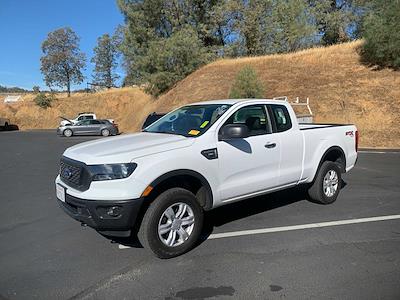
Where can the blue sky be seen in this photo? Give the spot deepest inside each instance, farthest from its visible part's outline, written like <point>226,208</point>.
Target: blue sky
<point>24,25</point>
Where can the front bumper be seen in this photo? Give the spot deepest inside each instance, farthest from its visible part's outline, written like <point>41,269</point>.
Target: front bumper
<point>96,214</point>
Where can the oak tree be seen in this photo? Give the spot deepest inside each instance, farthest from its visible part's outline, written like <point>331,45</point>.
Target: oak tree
<point>62,61</point>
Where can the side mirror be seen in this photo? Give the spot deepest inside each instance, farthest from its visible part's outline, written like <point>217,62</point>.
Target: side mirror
<point>233,131</point>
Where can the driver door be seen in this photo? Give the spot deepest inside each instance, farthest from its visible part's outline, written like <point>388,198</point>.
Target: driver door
<point>249,165</point>
<point>81,127</point>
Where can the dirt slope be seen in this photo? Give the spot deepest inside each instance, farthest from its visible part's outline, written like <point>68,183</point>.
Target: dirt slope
<point>127,106</point>
<point>340,88</point>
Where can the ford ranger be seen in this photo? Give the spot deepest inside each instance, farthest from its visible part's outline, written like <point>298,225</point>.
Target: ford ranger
<point>156,184</point>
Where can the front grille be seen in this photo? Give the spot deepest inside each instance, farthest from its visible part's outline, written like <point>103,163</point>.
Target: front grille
<point>74,173</point>
<point>70,173</point>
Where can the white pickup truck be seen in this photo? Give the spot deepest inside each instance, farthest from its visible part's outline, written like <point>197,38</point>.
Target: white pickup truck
<point>157,183</point>
<point>80,117</point>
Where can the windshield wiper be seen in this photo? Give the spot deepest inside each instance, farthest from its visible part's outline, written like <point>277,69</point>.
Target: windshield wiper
<point>167,132</point>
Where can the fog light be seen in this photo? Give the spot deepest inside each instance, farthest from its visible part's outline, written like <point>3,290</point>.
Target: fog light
<point>114,211</point>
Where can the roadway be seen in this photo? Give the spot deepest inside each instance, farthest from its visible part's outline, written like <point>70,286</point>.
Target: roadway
<point>44,254</point>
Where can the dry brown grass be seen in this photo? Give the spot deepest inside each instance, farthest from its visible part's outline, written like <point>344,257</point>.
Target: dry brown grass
<point>127,106</point>
<point>340,88</point>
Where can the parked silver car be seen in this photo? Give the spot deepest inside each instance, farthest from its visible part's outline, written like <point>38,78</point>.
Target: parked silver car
<point>89,127</point>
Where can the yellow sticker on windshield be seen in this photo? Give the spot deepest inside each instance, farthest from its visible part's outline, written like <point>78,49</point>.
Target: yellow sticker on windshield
<point>194,132</point>
<point>204,124</point>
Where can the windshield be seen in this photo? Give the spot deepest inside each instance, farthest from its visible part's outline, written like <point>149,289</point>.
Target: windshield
<point>192,120</point>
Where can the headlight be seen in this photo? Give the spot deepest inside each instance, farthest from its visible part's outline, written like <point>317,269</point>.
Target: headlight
<point>112,171</point>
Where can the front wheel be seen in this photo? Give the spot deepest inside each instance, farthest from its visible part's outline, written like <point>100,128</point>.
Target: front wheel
<point>326,186</point>
<point>68,132</point>
<point>172,224</point>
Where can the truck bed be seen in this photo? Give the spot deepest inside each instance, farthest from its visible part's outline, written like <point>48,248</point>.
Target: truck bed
<point>316,142</point>
<point>307,126</point>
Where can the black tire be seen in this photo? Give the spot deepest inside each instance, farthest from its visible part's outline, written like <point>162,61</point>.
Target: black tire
<point>148,232</point>
<point>68,133</point>
<point>105,132</point>
<point>316,192</point>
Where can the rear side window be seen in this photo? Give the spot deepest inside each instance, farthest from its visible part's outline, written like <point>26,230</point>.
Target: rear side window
<point>282,117</point>
<point>94,122</point>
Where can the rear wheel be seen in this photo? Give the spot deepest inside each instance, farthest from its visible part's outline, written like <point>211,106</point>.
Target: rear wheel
<point>105,132</point>
<point>172,224</point>
<point>326,186</point>
<point>68,132</point>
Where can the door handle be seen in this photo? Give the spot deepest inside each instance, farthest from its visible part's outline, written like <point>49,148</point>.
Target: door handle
<point>270,145</point>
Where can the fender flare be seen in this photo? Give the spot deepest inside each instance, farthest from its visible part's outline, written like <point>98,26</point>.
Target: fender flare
<point>323,158</point>
<point>209,199</point>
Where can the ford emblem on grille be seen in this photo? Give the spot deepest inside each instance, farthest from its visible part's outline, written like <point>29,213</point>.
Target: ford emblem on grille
<point>67,173</point>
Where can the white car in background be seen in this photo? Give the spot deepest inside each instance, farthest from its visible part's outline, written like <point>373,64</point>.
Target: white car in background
<point>4,123</point>
<point>81,117</point>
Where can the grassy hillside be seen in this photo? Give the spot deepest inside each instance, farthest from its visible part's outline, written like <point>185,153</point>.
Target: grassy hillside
<point>340,90</point>
<point>127,106</point>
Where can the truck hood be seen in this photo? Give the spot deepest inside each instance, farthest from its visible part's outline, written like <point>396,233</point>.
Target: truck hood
<point>125,148</point>
<point>65,121</point>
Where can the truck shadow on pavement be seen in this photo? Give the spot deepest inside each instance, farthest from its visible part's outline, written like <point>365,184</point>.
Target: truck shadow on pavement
<point>236,211</point>
<point>249,207</point>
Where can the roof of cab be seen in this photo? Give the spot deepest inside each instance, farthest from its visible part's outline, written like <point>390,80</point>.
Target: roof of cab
<point>235,101</point>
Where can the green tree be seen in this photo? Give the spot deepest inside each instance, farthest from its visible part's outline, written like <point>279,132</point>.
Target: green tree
<point>381,31</point>
<point>337,20</point>
<point>253,23</point>
<point>246,85</point>
<point>171,59</point>
<point>62,60</point>
<point>150,22</point>
<point>105,60</point>
<point>292,28</point>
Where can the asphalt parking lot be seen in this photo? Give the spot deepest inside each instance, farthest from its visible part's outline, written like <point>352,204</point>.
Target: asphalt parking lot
<point>44,254</point>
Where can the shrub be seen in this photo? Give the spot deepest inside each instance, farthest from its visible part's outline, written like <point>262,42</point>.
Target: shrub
<point>43,101</point>
<point>382,35</point>
<point>246,85</point>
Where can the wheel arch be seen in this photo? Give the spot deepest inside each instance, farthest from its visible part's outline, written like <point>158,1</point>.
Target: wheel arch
<point>185,178</point>
<point>334,154</point>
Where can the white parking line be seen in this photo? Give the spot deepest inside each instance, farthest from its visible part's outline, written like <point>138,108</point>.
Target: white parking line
<point>304,226</point>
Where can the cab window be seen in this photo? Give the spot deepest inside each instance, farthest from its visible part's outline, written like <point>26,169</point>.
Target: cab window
<point>254,117</point>
<point>282,117</point>
<point>81,118</point>
<point>83,123</point>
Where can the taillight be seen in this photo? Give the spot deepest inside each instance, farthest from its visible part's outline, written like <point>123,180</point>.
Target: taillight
<point>357,139</point>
